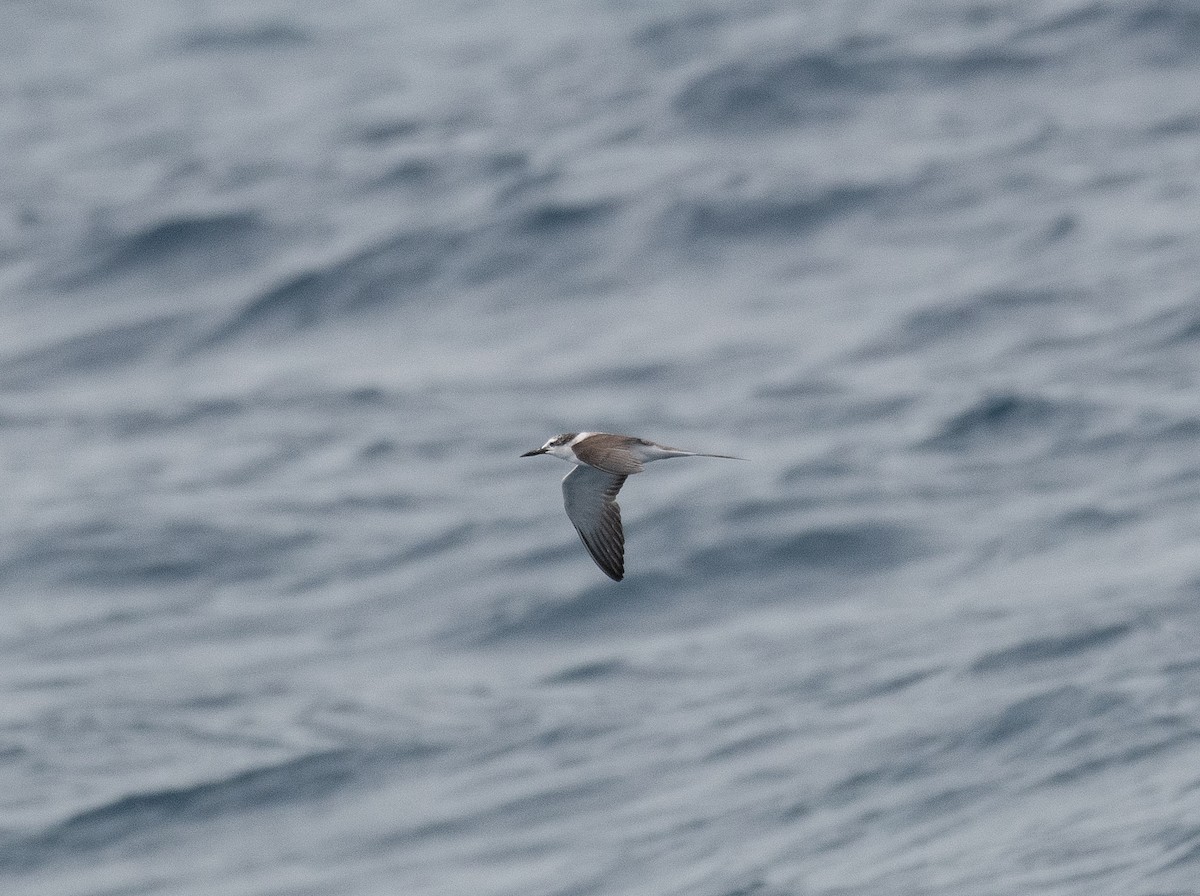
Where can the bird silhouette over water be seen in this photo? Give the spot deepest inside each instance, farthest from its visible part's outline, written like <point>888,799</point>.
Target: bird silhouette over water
<point>603,462</point>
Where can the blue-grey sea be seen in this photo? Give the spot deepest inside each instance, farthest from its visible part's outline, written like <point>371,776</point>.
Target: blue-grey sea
<point>286,288</point>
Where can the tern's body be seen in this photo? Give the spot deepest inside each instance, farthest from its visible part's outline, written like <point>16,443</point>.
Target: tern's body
<point>603,462</point>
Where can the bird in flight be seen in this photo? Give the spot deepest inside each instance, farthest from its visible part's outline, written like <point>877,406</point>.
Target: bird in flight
<point>603,461</point>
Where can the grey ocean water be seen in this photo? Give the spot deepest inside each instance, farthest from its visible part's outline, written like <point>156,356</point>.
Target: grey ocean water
<point>285,290</point>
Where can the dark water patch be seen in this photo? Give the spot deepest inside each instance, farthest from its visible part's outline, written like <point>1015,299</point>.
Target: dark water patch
<point>245,37</point>
<point>889,685</point>
<point>227,699</point>
<point>1184,847</point>
<point>774,215</point>
<point>1016,298</point>
<point>627,375</point>
<point>941,802</point>
<point>600,607</point>
<point>862,784</point>
<point>506,162</point>
<point>977,63</point>
<point>558,801</point>
<point>965,320</point>
<point>387,131</point>
<point>796,812</point>
<point>383,500</point>
<point>541,803</point>
<point>140,816</point>
<point>135,552</point>
<point>152,421</point>
<point>434,546</point>
<point>379,450</point>
<point>311,399</point>
<point>776,508</point>
<point>167,240</point>
<point>801,388</point>
<point>684,36</point>
<point>851,549</point>
<point>993,415</point>
<point>1060,24</point>
<point>523,185</point>
<point>749,744</point>
<point>767,94</point>
<point>371,396</point>
<point>184,245</point>
<point>573,732</point>
<point>754,886</point>
<point>1175,328</point>
<point>1000,420</point>
<point>825,405</point>
<point>105,349</point>
<point>595,670</point>
<point>540,236</point>
<point>1052,648</point>
<point>10,752</point>
<point>1189,668</point>
<point>1057,230</point>
<point>417,173</point>
<point>1185,125</point>
<point>821,85</point>
<point>1162,31</point>
<point>1092,518</point>
<point>376,276</point>
<point>1168,29</point>
<point>845,408</point>
<point>1032,723</point>
<point>448,539</point>
<point>550,218</point>
<point>1124,758</point>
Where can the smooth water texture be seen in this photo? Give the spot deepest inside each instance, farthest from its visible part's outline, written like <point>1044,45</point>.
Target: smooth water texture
<point>285,290</point>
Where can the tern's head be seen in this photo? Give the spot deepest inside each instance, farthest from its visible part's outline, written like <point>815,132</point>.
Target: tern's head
<point>558,446</point>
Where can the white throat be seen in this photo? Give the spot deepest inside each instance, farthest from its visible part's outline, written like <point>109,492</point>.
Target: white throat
<point>567,451</point>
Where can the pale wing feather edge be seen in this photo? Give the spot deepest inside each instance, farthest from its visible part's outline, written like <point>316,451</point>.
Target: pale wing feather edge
<point>589,495</point>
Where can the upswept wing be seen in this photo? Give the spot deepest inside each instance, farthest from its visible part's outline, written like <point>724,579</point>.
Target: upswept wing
<point>590,498</point>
